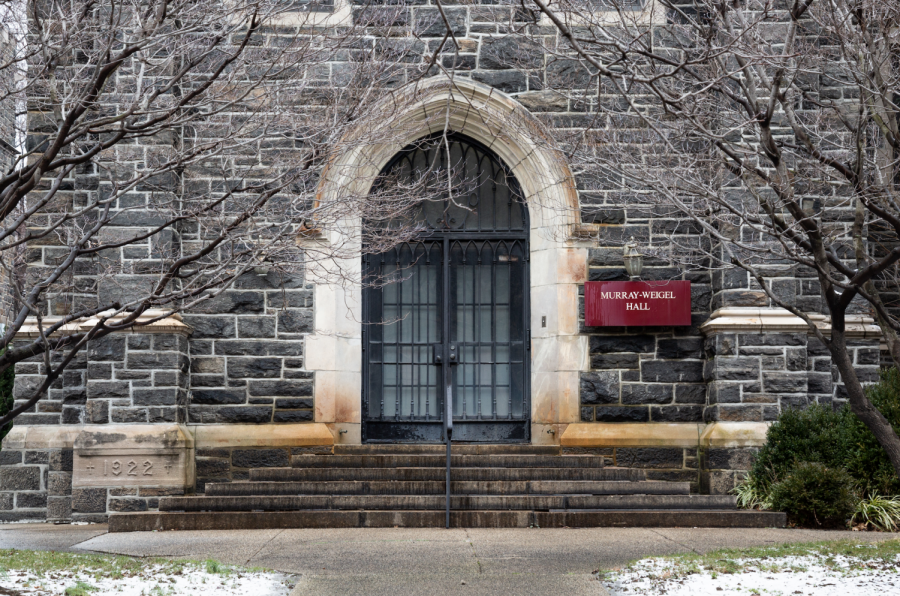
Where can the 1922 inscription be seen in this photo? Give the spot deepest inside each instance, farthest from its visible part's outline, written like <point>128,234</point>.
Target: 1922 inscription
<point>126,467</point>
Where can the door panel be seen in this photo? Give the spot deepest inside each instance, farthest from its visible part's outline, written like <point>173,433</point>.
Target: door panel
<point>487,324</point>
<point>461,289</point>
<point>405,310</point>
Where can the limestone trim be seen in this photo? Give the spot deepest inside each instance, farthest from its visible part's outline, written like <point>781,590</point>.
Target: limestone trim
<point>214,436</point>
<point>779,320</point>
<point>145,455</point>
<point>663,434</point>
<point>558,264</point>
<point>170,324</point>
<point>42,436</point>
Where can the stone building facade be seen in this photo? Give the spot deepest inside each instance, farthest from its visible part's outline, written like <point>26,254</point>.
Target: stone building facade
<point>273,368</point>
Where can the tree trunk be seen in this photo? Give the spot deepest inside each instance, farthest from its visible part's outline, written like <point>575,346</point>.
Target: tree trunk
<point>860,404</point>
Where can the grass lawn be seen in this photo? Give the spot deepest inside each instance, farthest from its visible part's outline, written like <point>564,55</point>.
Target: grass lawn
<point>844,568</point>
<point>25,572</point>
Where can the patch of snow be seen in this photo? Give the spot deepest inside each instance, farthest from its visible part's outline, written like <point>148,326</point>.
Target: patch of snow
<point>784,576</point>
<point>153,581</point>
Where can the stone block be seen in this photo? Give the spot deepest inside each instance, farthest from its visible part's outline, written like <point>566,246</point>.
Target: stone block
<point>128,415</point>
<point>10,457</point>
<point>653,457</point>
<point>740,413</point>
<point>772,339</point>
<point>254,368</point>
<point>20,478</point>
<point>295,321</point>
<point>680,347</point>
<point>211,326</point>
<point>239,414</point>
<point>60,460</point>
<point>256,327</point>
<point>167,396</point>
<point>661,371</point>
<point>622,414</point>
<point>296,388</point>
<point>293,416</point>
<point>507,81</point>
<point>59,483</point>
<point>612,361</point>
<point>646,393</point>
<point>127,505</point>
<point>109,348</point>
<point>622,343</point>
<point>97,412</point>
<point>7,501</point>
<point>158,455</point>
<point>599,388</point>
<point>733,368</point>
<point>59,508</point>
<point>89,500</point>
<point>139,342</point>
<point>157,361</point>
<point>260,458</point>
<point>676,413</point>
<point>217,468</point>
<point>218,396</point>
<point>28,500</point>
<point>690,394</point>
<point>775,382</point>
<point>819,382</point>
<point>294,403</point>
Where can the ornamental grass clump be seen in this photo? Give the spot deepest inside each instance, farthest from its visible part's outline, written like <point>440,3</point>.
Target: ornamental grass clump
<point>879,512</point>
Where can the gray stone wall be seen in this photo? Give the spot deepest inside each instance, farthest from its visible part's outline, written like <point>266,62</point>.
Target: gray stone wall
<point>246,352</point>
<point>35,484</point>
<point>754,376</point>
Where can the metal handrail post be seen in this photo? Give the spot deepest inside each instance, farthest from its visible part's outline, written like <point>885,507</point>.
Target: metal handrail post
<point>448,431</point>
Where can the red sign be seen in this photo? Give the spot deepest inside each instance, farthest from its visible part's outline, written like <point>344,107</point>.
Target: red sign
<point>637,303</point>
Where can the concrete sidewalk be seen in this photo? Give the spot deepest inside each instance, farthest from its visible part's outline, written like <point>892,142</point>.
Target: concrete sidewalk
<point>401,562</point>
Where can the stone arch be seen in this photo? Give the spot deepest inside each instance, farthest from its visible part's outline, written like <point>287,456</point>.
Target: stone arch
<point>558,263</point>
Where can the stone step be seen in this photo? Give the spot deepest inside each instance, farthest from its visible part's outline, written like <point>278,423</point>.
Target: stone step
<point>457,502</point>
<point>238,520</point>
<point>436,487</point>
<point>440,461</point>
<point>434,473</point>
<point>457,448</point>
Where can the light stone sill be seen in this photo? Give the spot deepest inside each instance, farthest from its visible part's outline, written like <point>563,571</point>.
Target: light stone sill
<point>665,434</point>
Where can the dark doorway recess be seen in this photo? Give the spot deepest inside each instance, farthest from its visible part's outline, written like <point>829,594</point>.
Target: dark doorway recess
<point>449,318</point>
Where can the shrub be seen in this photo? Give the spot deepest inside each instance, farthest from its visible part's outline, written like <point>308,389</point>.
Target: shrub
<point>814,495</point>
<point>816,434</point>
<point>865,459</point>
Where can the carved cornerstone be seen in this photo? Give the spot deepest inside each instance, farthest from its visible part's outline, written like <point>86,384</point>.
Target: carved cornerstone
<point>148,455</point>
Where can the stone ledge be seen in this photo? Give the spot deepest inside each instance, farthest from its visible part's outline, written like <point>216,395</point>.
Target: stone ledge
<point>45,436</point>
<point>210,436</point>
<point>779,320</point>
<point>171,324</point>
<point>735,434</point>
<point>662,434</point>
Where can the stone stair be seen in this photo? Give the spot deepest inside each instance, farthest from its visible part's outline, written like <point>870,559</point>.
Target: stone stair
<point>497,486</point>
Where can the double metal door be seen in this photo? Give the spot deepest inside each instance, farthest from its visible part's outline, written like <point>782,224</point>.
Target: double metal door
<point>447,319</point>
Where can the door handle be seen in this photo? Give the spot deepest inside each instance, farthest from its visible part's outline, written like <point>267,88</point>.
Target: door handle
<point>437,352</point>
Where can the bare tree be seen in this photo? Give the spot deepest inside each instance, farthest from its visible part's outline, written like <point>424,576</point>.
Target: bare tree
<point>173,146</point>
<point>770,126</point>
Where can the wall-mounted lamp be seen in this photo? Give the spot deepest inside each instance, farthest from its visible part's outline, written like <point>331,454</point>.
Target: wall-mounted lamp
<point>634,260</point>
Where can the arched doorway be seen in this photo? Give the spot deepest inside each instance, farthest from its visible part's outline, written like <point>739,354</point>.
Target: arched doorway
<point>454,299</point>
